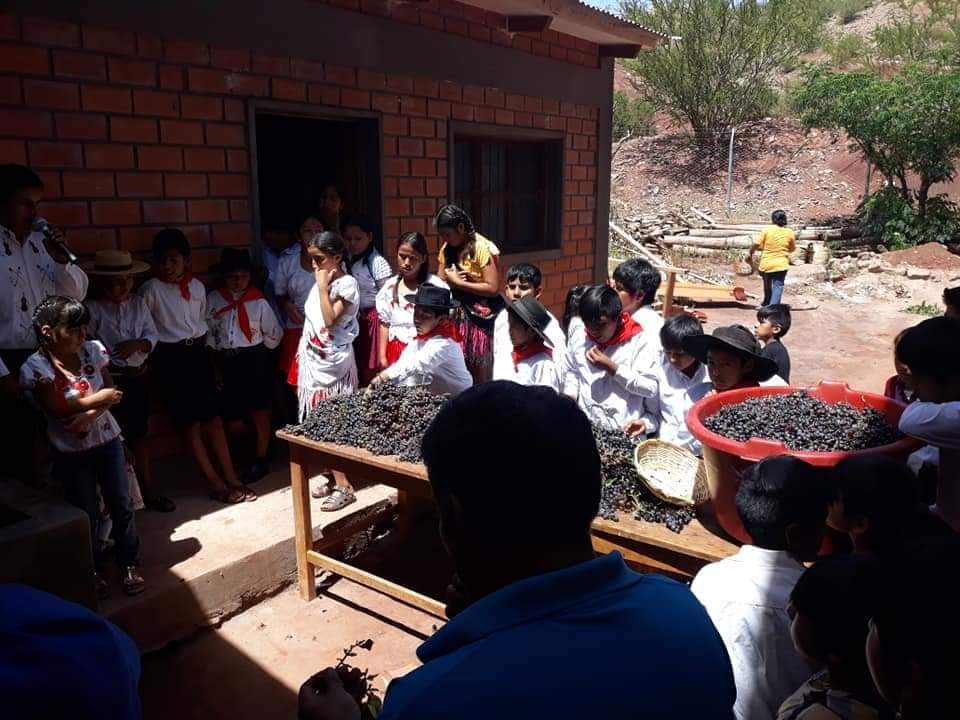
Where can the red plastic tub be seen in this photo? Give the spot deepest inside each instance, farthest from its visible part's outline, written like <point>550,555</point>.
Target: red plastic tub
<point>725,459</point>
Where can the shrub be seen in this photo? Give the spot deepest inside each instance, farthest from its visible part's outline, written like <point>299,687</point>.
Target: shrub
<point>631,117</point>
<point>893,219</point>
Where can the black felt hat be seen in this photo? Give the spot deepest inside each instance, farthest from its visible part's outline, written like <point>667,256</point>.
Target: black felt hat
<point>232,259</point>
<point>431,296</point>
<point>736,338</point>
<point>533,314</point>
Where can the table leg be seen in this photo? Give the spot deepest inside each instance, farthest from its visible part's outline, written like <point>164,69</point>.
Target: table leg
<point>403,513</point>
<point>303,525</point>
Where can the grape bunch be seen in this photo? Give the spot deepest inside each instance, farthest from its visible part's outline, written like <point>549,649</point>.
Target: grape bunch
<point>804,423</point>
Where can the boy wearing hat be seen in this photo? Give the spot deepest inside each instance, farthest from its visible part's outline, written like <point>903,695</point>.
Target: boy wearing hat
<point>532,357</point>
<point>733,358</point>
<point>243,330</point>
<point>435,352</point>
<point>122,322</point>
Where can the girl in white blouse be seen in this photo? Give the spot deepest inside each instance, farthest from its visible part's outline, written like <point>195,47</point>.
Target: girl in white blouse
<point>292,283</point>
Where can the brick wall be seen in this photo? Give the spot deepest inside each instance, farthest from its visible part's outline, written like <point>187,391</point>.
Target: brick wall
<point>133,132</point>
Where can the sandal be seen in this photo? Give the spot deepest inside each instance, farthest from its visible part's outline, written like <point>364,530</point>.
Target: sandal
<point>133,582</point>
<point>228,495</point>
<point>338,499</point>
<point>248,494</point>
<point>322,490</point>
<point>159,503</point>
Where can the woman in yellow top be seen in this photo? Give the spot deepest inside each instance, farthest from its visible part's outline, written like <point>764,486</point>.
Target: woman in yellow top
<point>468,263</point>
<point>775,244</point>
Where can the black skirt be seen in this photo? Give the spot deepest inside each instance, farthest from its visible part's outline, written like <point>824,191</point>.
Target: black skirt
<point>248,380</point>
<point>187,381</point>
<point>133,411</point>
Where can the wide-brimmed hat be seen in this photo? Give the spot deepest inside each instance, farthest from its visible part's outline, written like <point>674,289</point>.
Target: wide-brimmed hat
<point>736,338</point>
<point>533,314</point>
<point>232,259</point>
<point>113,262</point>
<point>431,296</point>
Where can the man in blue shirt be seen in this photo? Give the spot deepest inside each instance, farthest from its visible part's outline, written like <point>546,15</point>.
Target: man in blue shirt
<point>540,627</point>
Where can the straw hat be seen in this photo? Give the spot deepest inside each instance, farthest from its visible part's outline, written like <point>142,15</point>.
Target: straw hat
<point>113,262</point>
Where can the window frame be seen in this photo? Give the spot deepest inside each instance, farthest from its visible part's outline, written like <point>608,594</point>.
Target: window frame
<point>493,133</point>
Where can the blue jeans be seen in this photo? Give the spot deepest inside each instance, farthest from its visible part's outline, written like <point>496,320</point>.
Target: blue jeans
<point>106,466</point>
<point>773,287</point>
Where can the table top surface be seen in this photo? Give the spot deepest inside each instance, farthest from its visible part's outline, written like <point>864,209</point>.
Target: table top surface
<point>694,540</point>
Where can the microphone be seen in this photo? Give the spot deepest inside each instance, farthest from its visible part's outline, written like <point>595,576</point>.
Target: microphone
<point>41,225</point>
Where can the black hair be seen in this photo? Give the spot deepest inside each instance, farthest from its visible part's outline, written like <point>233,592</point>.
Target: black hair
<point>451,217</point>
<point>839,595</point>
<point>14,178</point>
<point>951,297</point>
<point>777,314</point>
<point>571,305</point>
<point>418,243</point>
<point>59,311</point>
<point>302,217</point>
<point>639,278</point>
<point>779,217</point>
<point>526,273</point>
<point>554,465</point>
<point>364,224</point>
<point>676,328</point>
<point>778,492</point>
<point>329,243</point>
<point>600,301</point>
<point>932,348</point>
<point>170,239</point>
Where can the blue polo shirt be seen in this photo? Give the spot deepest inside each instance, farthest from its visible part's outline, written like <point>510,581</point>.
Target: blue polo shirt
<point>595,640</point>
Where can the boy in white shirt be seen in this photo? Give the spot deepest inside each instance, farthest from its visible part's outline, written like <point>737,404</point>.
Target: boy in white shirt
<point>434,354</point>
<point>532,356</point>
<point>523,280</point>
<point>243,330</point>
<point>783,504</point>
<point>603,366</point>
<point>637,282</point>
<point>121,321</point>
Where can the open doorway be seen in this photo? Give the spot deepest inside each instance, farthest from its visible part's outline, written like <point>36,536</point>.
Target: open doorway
<point>298,155</point>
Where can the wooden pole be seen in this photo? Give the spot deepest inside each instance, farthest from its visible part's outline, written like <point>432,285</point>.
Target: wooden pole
<point>668,295</point>
<point>302,525</point>
<point>733,132</point>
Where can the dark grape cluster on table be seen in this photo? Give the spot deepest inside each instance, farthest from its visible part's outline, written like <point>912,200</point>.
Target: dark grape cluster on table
<point>802,422</point>
<point>391,420</point>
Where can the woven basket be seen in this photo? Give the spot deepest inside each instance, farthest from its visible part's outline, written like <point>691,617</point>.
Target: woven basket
<point>671,473</point>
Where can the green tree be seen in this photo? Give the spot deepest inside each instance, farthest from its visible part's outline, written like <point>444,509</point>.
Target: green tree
<point>632,117</point>
<point>920,31</point>
<point>721,71</point>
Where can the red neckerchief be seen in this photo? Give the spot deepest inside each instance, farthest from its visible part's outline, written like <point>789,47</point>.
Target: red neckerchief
<point>240,305</point>
<point>444,328</point>
<point>528,350</point>
<point>630,328</point>
<point>183,283</point>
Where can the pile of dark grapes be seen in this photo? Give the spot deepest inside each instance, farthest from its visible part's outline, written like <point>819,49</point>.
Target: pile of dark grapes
<point>804,423</point>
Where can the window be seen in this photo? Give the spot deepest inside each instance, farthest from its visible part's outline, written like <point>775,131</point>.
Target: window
<point>512,189</point>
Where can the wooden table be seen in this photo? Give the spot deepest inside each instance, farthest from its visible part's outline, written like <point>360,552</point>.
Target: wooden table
<point>649,545</point>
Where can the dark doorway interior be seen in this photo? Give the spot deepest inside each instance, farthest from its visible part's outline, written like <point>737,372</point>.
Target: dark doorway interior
<point>298,156</point>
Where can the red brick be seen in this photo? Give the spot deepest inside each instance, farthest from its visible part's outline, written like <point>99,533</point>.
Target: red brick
<point>132,72</point>
<point>431,20</point>
<point>375,7</point>
<point>25,60</point>
<point>171,77</point>
<point>13,151</point>
<point>237,234</point>
<point>555,122</point>
<point>44,31</point>
<point>396,166</point>
<point>204,159</point>
<point>400,83</point>
<point>436,149</point>
<point>437,188</point>
<point>162,212</point>
<point>515,102</point>
<point>149,46</point>
<point>405,14</point>
<point>540,48</point>
<point>139,185</point>
<point>284,89</point>
<point>212,81</point>
<point>551,106</point>
<point>234,185</point>
<point>450,91</point>
<point>87,241</point>
<point>523,119</point>
<point>185,185</point>
<point>371,80</point>
<point>151,102</point>
<point>48,94</point>
<point>136,239</point>
<point>395,125</point>
<point>10,90</point>
<point>227,135</point>
<point>184,51</point>
<point>201,107</point>
<point>106,99</point>
<point>359,99</point>
<point>568,109</point>
<point>87,66</point>
<point>385,103</point>
<point>479,32</point>
<point>388,145</point>
<point>424,206</point>
<point>181,132</point>
<point>306,70</point>
<point>504,117</point>
<point>438,109</point>
<point>51,183</point>
<point>135,130</point>
<point>159,158</point>
<point>230,58</point>
<point>67,214</point>
<point>271,64</point>
<point>239,210</point>
<point>324,94</point>
<point>441,168</point>
<point>116,212</point>
<point>237,160</point>
<point>390,187</point>
<point>88,184</point>
<point>117,42</point>
<point>457,26</point>
<point>423,168</point>
<point>243,84</point>
<point>396,207</point>
<point>423,128</point>
<point>410,147</point>
<point>463,112</point>
<point>558,53</point>
<point>589,127</point>
<point>494,97</point>
<point>441,129</point>
<point>473,94</point>
<point>234,110</point>
<point>339,75</point>
<point>484,114</point>
<point>532,104</point>
<point>108,156</point>
<point>426,87</point>
<point>9,26</point>
<point>410,105</point>
<point>54,154</point>
<point>204,211</point>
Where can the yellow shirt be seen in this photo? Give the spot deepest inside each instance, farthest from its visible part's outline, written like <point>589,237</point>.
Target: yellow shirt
<point>483,252</point>
<point>776,244</point>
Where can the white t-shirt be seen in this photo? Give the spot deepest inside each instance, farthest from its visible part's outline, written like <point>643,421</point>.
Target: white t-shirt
<point>537,370</point>
<point>503,348</point>
<point>225,332</point>
<point>676,393</point>
<point>38,370</point>
<point>651,321</point>
<point>370,274</point>
<point>113,323</point>
<point>398,315</point>
<point>176,317</point>
<point>439,357</point>
<point>293,282</point>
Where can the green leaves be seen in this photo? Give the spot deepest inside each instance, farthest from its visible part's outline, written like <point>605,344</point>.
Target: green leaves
<point>631,116</point>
